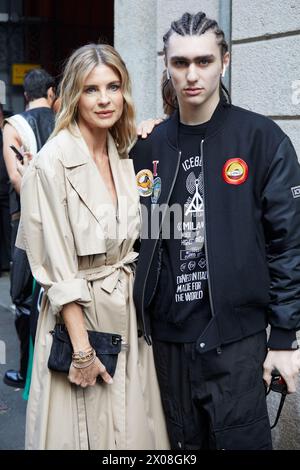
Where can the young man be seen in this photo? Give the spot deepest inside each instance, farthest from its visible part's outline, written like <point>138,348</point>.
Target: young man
<point>220,250</point>
<point>29,130</point>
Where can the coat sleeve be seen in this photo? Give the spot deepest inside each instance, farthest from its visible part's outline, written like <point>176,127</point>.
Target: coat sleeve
<point>46,234</point>
<point>282,231</point>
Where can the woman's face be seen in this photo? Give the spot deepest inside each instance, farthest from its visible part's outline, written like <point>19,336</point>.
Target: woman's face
<point>101,102</point>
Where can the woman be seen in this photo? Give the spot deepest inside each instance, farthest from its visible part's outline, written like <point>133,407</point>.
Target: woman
<point>80,219</point>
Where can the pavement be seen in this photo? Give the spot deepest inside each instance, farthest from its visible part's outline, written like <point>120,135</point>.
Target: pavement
<point>12,405</point>
<point>286,435</point>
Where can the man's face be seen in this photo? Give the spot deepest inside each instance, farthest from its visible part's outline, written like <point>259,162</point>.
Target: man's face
<point>195,66</point>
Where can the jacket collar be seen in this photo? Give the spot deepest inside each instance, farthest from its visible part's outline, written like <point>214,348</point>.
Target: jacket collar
<point>77,153</point>
<point>216,122</point>
<point>82,172</point>
<point>84,176</point>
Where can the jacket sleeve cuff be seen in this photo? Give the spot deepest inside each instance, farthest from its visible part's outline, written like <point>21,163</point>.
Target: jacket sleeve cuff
<point>64,292</point>
<point>282,339</point>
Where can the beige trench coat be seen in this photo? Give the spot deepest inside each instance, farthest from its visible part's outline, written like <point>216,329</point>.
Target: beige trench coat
<point>81,250</point>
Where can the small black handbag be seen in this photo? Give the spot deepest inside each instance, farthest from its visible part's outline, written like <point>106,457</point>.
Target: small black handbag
<point>106,345</point>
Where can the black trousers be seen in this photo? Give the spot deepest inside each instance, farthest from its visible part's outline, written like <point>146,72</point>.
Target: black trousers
<point>21,294</point>
<point>214,400</point>
<point>5,230</point>
<point>22,323</point>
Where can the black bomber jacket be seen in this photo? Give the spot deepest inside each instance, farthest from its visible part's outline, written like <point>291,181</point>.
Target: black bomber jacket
<point>252,223</point>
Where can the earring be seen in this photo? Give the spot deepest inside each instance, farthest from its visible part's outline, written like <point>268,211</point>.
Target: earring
<point>168,74</point>
<point>223,71</point>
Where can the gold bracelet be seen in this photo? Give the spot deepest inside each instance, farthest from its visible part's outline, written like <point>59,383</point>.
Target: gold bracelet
<point>83,360</point>
<point>83,366</point>
<point>82,354</point>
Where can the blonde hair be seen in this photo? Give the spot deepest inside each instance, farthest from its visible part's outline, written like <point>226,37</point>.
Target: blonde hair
<point>77,68</point>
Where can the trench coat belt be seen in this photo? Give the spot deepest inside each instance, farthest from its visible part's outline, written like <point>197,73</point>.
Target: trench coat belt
<point>110,272</point>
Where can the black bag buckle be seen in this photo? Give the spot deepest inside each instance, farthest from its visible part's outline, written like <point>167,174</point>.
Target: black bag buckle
<point>116,340</point>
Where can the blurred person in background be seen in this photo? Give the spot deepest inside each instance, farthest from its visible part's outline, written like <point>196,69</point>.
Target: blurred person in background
<point>28,132</point>
<point>5,255</point>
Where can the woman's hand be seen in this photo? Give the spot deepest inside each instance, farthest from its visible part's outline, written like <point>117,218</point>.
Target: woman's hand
<point>74,321</point>
<point>88,376</point>
<point>146,127</point>
<point>22,167</point>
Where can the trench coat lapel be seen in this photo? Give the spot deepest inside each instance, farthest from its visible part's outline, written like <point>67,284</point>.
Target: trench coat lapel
<point>83,175</point>
<point>122,172</point>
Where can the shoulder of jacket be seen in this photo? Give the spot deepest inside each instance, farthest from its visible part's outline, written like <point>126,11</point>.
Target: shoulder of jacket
<point>157,136</point>
<point>40,109</point>
<point>256,120</point>
<point>50,154</point>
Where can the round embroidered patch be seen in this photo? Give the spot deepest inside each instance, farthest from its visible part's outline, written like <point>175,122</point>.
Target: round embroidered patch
<point>235,171</point>
<point>144,180</point>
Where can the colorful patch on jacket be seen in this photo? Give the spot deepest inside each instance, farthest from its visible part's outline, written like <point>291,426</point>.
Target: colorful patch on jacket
<point>156,190</point>
<point>155,165</point>
<point>235,171</point>
<point>144,180</point>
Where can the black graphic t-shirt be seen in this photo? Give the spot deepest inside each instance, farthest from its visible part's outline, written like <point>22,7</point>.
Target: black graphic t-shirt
<point>180,309</point>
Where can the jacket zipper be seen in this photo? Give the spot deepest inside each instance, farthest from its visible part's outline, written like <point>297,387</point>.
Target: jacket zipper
<point>159,268</point>
<point>205,234</point>
<point>147,337</point>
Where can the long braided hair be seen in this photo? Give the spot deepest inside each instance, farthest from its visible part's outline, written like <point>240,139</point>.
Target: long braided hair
<point>190,25</point>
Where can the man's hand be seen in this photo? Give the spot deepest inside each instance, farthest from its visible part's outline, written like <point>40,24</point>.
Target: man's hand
<point>11,137</point>
<point>146,127</point>
<point>288,365</point>
<point>23,167</point>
